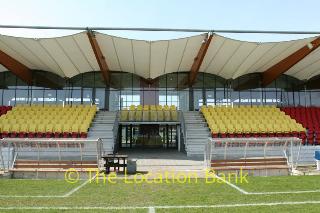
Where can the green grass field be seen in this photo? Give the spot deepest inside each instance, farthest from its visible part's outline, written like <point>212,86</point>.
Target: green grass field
<point>21,196</point>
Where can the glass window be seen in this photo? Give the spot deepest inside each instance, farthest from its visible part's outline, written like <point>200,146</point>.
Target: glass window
<point>8,97</point>
<point>61,96</point>
<point>75,97</point>
<point>150,96</point>
<point>87,96</point>
<point>210,97</point>
<point>296,98</point>
<point>1,95</point>
<point>100,98</point>
<point>114,103</point>
<point>128,100</point>
<point>221,98</point>
<point>129,97</point>
<point>271,97</point>
<point>315,98</point>
<point>21,96</point>
<point>183,102</point>
<point>308,98</point>
<point>50,96</point>
<point>198,98</point>
<point>245,98</point>
<point>303,98</point>
<point>37,96</point>
<point>235,98</point>
<point>256,96</point>
<point>171,98</point>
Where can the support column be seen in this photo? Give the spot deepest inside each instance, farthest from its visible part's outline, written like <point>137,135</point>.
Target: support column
<point>106,98</point>
<point>191,99</point>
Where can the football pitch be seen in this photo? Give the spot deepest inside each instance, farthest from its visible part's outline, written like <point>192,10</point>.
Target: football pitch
<point>262,194</point>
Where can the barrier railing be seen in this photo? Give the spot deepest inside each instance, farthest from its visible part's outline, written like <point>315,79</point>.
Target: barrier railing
<point>243,148</point>
<point>12,149</point>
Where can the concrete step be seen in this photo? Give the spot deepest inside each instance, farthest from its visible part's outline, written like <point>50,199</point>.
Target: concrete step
<point>100,132</point>
<point>103,122</point>
<point>105,118</point>
<point>198,130</point>
<point>197,126</point>
<point>106,112</point>
<point>195,136</point>
<point>197,141</point>
<point>195,121</point>
<point>102,126</point>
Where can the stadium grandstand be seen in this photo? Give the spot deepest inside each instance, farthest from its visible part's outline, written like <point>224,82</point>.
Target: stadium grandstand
<point>167,94</point>
<point>91,100</point>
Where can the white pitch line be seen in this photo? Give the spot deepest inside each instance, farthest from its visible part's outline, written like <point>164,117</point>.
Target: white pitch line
<point>264,193</point>
<point>288,192</point>
<point>152,210</point>
<point>31,196</point>
<point>50,196</point>
<point>232,185</point>
<point>78,187</point>
<point>155,207</point>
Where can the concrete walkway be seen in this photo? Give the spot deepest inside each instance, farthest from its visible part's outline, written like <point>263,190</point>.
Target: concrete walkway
<point>151,160</point>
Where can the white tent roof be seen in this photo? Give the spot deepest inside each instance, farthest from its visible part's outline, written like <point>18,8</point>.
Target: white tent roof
<point>70,55</point>
<point>231,58</point>
<point>149,59</point>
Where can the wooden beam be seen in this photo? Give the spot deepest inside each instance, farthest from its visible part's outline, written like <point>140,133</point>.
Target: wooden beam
<point>198,59</point>
<point>19,69</point>
<point>281,67</point>
<point>99,57</point>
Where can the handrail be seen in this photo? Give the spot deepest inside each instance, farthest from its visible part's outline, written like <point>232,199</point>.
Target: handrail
<point>14,160</point>
<point>115,129</point>
<point>286,157</point>
<point>183,127</point>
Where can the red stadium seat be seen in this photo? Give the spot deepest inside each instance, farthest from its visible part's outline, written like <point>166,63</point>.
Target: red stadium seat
<point>39,135</point>
<point>83,135</point>
<point>74,134</point>
<point>31,135</point>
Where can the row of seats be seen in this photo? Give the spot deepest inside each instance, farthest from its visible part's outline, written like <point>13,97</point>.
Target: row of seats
<point>4,109</point>
<point>149,113</point>
<point>47,121</point>
<point>309,117</point>
<point>247,121</point>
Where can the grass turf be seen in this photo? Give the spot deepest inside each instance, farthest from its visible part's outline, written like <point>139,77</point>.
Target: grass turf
<point>200,193</point>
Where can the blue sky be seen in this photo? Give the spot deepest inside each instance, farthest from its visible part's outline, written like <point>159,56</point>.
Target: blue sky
<point>214,14</point>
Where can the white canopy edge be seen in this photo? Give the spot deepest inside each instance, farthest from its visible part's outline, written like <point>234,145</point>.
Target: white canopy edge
<point>71,55</point>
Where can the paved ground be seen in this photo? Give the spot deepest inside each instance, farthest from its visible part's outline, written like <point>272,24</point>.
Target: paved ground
<point>163,160</point>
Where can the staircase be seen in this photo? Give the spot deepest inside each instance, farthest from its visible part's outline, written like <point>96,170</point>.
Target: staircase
<point>197,133</point>
<point>103,127</point>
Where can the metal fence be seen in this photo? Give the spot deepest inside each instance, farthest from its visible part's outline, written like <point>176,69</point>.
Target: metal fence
<point>12,149</point>
<point>243,148</point>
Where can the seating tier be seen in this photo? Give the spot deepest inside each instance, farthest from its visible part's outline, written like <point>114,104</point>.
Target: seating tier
<point>309,117</point>
<point>5,109</point>
<point>47,121</point>
<point>247,121</point>
<point>147,113</point>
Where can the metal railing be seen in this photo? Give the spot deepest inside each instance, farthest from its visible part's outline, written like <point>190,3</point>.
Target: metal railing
<point>115,132</point>
<point>48,149</point>
<point>236,148</point>
<point>183,127</point>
